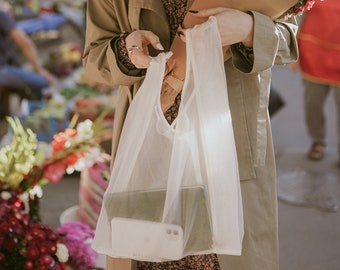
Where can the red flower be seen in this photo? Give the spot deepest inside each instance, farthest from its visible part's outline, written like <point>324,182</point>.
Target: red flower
<point>32,252</point>
<point>307,6</point>
<point>25,245</point>
<point>58,142</point>
<point>61,138</point>
<point>71,159</point>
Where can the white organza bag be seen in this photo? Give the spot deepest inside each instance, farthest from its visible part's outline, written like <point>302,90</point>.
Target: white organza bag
<point>175,189</point>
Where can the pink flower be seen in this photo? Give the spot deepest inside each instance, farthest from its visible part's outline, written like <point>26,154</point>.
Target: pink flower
<point>308,5</point>
<point>77,237</point>
<point>54,172</point>
<point>300,7</point>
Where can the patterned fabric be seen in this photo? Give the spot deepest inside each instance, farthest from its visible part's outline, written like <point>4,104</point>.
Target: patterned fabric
<point>175,11</point>
<point>198,262</point>
<point>171,114</point>
<point>123,55</point>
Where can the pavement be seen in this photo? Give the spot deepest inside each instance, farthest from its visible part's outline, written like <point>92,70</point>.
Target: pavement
<point>308,192</point>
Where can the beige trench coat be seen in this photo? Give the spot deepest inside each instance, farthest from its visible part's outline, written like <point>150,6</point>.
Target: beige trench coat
<point>248,90</point>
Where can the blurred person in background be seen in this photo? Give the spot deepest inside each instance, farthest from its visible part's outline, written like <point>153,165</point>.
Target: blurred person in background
<point>319,63</point>
<point>29,84</point>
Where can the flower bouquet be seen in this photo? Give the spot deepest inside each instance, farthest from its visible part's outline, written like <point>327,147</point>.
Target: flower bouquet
<point>24,244</point>
<point>299,8</point>
<point>24,166</point>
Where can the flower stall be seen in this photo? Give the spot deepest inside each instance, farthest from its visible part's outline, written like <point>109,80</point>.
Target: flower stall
<point>25,167</point>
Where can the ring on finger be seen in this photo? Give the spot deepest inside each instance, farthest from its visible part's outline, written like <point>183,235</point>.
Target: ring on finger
<point>131,48</point>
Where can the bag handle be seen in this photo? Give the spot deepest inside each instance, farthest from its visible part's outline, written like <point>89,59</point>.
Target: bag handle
<point>127,150</point>
<point>216,130</point>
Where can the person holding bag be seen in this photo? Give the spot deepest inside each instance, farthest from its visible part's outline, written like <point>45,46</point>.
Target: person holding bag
<point>120,38</point>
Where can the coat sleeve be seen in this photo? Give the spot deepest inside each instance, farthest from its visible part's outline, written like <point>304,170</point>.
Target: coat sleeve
<point>274,43</point>
<point>104,25</point>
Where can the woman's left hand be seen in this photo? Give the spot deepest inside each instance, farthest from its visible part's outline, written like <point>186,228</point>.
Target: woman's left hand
<point>235,26</point>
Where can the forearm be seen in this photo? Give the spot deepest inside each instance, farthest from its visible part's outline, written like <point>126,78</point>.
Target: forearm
<point>274,43</point>
<point>287,47</point>
<point>27,47</point>
<point>279,48</point>
<point>31,54</point>
<point>242,31</point>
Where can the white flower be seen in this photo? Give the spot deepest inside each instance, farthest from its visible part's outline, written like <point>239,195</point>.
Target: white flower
<point>5,195</point>
<point>85,131</point>
<point>36,191</point>
<point>62,253</point>
<point>68,144</point>
<point>70,170</point>
<point>17,158</point>
<point>91,156</point>
<point>88,241</point>
<point>80,165</point>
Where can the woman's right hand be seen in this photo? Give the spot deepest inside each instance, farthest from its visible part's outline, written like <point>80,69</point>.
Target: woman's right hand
<point>137,45</point>
<point>234,25</point>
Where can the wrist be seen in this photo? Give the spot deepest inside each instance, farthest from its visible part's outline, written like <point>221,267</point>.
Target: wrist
<point>248,43</point>
<point>123,53</point>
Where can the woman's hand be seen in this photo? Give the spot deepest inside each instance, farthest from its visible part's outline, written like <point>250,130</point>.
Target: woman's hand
<point>235,26</point>
<point>137,45</point>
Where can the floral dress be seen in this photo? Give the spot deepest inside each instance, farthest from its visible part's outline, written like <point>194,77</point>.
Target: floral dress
<point>175,10</point>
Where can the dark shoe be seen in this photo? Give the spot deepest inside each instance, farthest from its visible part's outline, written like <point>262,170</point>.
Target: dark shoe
<point>316,151</point>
